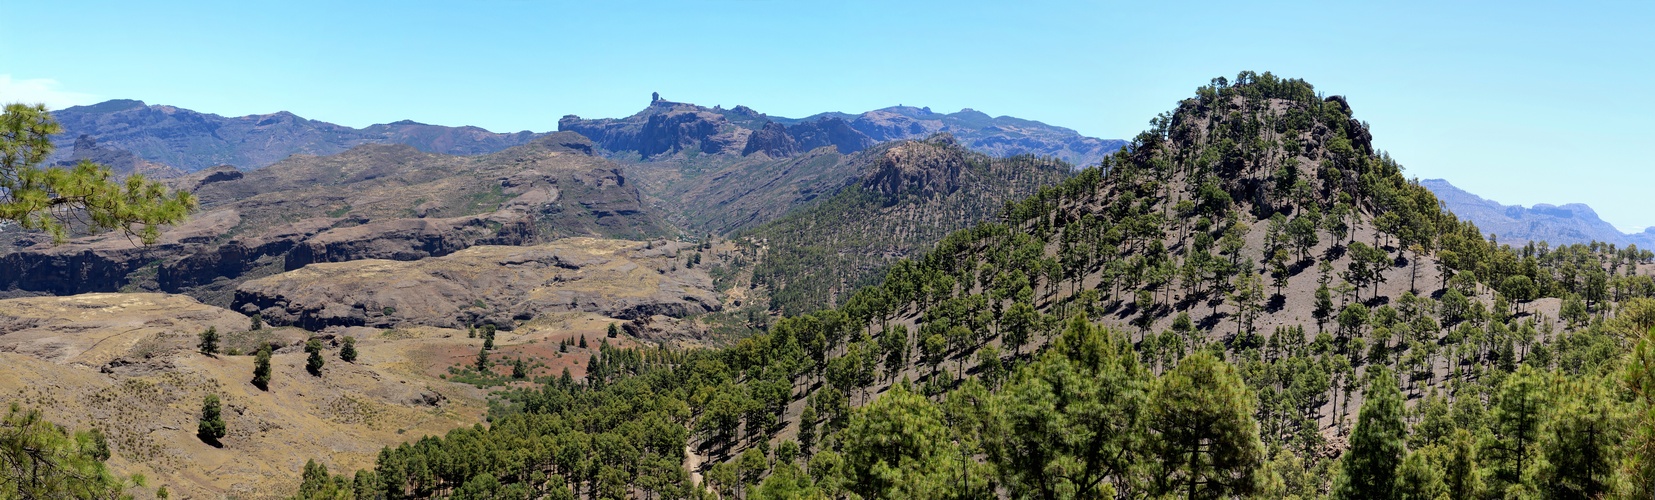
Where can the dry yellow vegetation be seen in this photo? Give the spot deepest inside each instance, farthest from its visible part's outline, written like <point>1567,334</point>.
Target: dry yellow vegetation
<point>127,364</point>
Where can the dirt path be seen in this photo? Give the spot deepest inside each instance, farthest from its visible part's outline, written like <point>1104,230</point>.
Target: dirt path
<point>693,462</point>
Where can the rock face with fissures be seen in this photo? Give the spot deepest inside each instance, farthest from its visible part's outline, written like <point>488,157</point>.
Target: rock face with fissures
<point>493,285</point>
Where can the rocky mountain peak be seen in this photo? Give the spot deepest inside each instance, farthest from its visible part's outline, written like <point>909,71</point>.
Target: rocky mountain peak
<point>927,168</point>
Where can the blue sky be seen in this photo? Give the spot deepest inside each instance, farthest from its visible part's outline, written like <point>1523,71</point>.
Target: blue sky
<point>1521,102</point>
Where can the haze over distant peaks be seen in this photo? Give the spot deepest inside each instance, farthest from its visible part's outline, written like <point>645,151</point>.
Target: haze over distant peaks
<point>189,140</point>
<point>667,127</point>
<point>1555,224</point>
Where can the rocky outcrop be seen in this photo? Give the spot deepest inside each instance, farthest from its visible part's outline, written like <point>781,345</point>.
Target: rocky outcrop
<point>927,168</point>
<point>772,140</point>
<point>678,130</point>
<point>498,285</point>
<point>830,131</point>
<point>664,127</point>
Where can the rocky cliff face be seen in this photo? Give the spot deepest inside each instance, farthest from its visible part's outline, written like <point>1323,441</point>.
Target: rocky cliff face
<point>498,285</point>
<point>191,141</point>
<point>373,202</point>
<point>772,140</point>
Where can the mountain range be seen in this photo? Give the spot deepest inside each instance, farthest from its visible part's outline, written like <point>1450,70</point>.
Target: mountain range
<point>188,140</point>
<point>191,140</point>
<point>1554,224</point>
<point>666,127</point>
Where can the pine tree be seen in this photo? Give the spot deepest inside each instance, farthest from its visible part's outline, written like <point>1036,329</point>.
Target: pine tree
<point>211,427</point>
<point>1078,409</point>
<point>519,369</point>
<point>313,480</point>
<point>261,368</point>
<point>899,447</point>
<point>614,331</point>
<point>1324,306</point>
<point>255,322</point>
<point>209,341</point>
<point>1020,320</point>
<point>1376,445</point>
<point>38,196</point>
<point>1579,443</point>
<point>1639,377</point>
<point>348,352</point>
<point>1201,414</point>
<point>1419,478</point>
<point>44,460</point>
<point>366,484</point>
<point>582,342</point>
<point>807,428</point>
<point>314,363</point>
<point>1514,426</point>
<point>482,361</point>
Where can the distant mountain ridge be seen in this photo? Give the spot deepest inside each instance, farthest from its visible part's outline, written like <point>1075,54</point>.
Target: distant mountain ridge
<point>1555,224</point>
<point>666,127</point>
<point>190,140</point>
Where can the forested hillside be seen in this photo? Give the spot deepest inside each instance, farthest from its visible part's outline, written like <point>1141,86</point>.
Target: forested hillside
<point>911,195</point>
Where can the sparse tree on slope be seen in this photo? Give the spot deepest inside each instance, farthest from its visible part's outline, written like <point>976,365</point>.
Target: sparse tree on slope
<point>209,341</point>
<point>348,352</point>
<point>261,368</point>
<point>211,427</point>
<point>314,363</point>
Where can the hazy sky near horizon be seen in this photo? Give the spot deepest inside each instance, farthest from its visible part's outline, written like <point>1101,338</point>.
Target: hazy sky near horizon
<point>1520,102</point>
